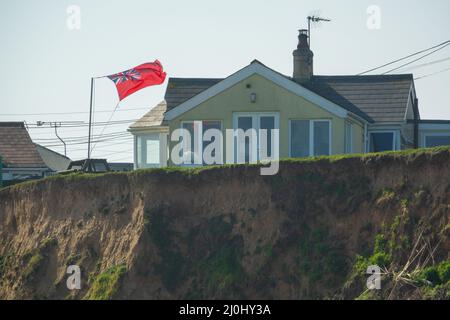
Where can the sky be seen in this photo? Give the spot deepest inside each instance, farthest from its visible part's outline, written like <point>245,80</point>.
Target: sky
<point>47,64</point>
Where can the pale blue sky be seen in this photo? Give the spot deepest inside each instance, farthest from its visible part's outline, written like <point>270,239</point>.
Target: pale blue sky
<point>47,68</point>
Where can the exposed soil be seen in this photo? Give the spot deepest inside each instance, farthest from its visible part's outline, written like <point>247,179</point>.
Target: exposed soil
<point>229,232</point>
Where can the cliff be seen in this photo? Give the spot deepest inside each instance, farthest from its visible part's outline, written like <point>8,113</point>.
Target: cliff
<point>309,232</point>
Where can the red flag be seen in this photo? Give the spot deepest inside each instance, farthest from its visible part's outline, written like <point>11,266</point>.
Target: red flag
<point>145,75</point>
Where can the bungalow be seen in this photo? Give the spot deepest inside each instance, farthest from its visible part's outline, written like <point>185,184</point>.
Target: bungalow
<point>315,115</point>
<point>19,157</point>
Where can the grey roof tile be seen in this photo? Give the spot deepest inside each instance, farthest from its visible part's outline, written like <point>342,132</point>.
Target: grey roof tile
<point>153,118</point>
<point>376,98</point>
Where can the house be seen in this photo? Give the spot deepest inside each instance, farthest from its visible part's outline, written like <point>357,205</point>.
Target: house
<point>313,115</point>
<point>19,155</point>
<point>54,160</point>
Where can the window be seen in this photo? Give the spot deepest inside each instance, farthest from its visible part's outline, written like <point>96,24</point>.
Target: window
<point>300,138</point>
<point>258,144</point>
<point>348,137</point>
<point>148,150</point>
<point>195,145</point>
<point>437,140</point>
<point>382,141</point>
<point>321,138</point>
<point>310,138</point>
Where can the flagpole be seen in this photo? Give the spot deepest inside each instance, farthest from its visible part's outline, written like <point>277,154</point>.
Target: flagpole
<point>90,120</point>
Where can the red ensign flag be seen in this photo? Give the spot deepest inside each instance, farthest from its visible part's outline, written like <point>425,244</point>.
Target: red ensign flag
<point>145,75</point>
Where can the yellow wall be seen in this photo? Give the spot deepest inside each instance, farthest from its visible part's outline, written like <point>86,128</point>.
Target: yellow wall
<point>270,98</point>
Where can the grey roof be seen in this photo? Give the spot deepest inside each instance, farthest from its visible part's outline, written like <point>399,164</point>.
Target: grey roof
<point>384,98</point>
<point>181,89</point>
<point>153,118</point>
<point>375,98</point>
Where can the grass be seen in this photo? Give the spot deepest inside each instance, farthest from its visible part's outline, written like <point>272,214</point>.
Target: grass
<point>222,270</point>
<point>36,258</point>
<point>189,171</point>
<point>33,266</point>
<point>106,284</point>
<point>320,257</point>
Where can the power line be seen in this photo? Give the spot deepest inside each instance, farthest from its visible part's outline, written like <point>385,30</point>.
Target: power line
<point>118,122</point>
<point>85,142</point>
<point>112,134</point>
<point>426,64</point>
<point>401,59</point>
<point>432,74</point>
<point>420,58</point>
<point>64,113</point>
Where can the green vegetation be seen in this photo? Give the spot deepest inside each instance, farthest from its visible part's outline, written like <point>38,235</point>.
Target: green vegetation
<point>106,284</point>
<point>3,261</point>
<point>321,258</point>
<point>33,266</point>
<point>436,275</point>
<point>222,270</point>
<point>386,244</point>
<point>78,176</point>
<point>36,258</point>
<point>171,266</point>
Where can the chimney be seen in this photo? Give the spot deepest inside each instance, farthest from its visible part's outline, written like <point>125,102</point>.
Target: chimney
<point>303,59</point>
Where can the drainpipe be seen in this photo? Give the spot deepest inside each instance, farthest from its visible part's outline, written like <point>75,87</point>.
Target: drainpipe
<point>416,125</point>
<point>365,138</point>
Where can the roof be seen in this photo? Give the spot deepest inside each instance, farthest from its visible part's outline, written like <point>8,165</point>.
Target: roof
<point>16,148</point>
<point>375,98</point>
<point>153,118</point>
<point>384,98</point>
<point>53,159</point>
<point>181,89</point>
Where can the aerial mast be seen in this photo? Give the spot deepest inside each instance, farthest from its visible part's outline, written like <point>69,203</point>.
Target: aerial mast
<point>315,19</point>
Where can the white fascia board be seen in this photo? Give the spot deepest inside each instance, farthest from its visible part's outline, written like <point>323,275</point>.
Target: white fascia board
<point>256,68</point>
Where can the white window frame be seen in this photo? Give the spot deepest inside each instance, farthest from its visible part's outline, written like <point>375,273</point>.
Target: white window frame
<point>348,138</point>
<point>200,138</point>
<point>162,139</point>
<point>395,139</point>
<point>256,120</point>
<point>311,135</point>
<point>433,134</point>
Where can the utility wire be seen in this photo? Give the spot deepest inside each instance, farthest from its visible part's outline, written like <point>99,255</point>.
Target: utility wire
<point>426,64</point>
<point>432,74</point>
<point>409,56</point>
<point>77,112</point>
<point>118,122</point>
<point>420,58</point>
<point>85,142</point>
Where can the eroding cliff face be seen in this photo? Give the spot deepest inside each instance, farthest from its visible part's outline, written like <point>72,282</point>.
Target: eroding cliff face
<point>308,232</point>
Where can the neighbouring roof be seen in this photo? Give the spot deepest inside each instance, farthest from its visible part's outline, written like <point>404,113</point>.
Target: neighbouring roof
<point>382,97</point>
<point>17,150</point>
<point>153,118</point>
